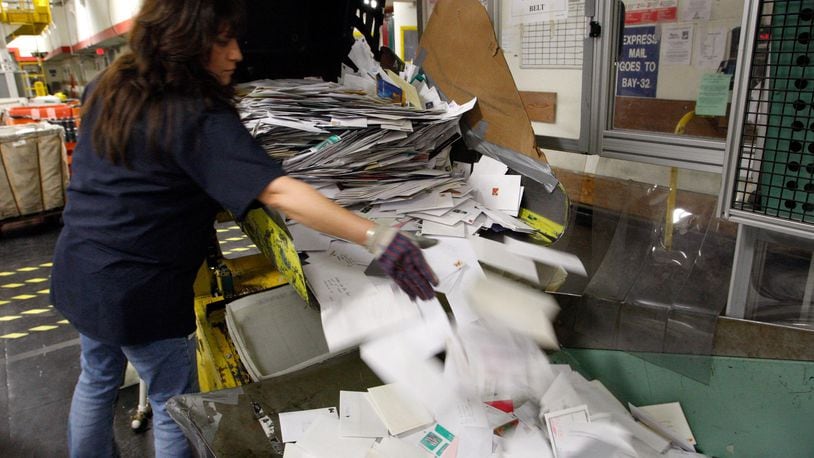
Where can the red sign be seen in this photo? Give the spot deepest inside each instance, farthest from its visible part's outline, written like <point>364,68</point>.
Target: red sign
<point>650,15</point>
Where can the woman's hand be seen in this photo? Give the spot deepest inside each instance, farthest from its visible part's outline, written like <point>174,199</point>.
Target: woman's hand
<point>403,262</point>
<point>397,255</point>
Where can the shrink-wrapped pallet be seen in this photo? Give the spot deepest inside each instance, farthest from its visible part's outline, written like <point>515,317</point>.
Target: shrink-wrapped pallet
<point>33,169</point>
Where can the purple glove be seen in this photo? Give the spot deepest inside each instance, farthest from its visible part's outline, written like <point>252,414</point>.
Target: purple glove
<point>403,262</point>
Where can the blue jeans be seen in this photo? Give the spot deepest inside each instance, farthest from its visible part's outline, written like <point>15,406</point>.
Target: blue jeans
<point>168,367</point>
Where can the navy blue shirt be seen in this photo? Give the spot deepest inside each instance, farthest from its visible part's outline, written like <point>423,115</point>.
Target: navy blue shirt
<point>134,237</point>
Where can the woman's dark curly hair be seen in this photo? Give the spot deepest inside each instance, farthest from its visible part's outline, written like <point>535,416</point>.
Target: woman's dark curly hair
<point>170,44</point>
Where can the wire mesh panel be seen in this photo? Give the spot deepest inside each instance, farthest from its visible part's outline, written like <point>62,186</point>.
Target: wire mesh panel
<point>775,175</point>
<point>556,43</point>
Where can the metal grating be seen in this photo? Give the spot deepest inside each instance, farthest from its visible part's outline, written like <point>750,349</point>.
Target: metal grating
<point>775,175</point>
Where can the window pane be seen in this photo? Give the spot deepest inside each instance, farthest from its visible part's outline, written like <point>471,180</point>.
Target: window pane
<point>781,284</point>
<point>677,58</point>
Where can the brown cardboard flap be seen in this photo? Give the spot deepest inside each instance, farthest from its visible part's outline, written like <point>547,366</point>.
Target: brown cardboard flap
<point>461,56</point>
<point>540,106</point>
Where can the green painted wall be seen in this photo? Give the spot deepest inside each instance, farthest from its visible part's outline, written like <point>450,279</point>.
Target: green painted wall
<point>736,407</point>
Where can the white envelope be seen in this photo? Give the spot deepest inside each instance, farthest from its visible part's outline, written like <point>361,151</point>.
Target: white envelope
<point>294,424</point>
<point>358,417</point>
<point>399,412</point>
<point>488,166</point>
<point>518,307</point>
<point>322,440</point>
<point>432,228</point>
<point>498,192</point>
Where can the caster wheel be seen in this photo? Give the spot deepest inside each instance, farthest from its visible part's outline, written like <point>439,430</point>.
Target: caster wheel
<point>138,422</point>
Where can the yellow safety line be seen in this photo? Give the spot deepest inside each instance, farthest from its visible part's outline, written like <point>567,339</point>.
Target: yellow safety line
<point>4,302</point>
<point>10,318</point>
<point>44,291</point>
<point>14,335</point>
<point>7,274</point>
<point>44,328</point>
<point>28,269</point>
<point>24,297</point>
<point>47,264</point>
<point>35,311</point>
<point>36,280</point>
<point>63,322</point>
<point>13,285</point>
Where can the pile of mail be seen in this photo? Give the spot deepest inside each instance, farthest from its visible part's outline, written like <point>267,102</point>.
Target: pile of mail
<point>474,383</point>
<point>494,394</point>
<point>391,159</point>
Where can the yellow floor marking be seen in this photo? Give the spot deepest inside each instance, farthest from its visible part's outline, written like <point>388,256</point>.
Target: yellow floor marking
<point>14,335</point>
<point>13,285</point>
<point>44,291</point>
<point>221,241</point>
<point>232,228</point>
<point>251,247</point>
<point>10,318</point>
<point>27,269</point>
<point>235,239</point>
<point>35,311</point>
<point>225,253</point>
<point>4,302</point>
<point>36,280</point>
<point>43,328</point>
<point>222,230</point>
<point>240,250</point>
<point>47,264</point>
<point>23,297</point>
<point>62,322</point>
<point>6,274</point>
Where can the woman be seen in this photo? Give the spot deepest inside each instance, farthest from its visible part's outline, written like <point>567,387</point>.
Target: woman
<point>161,148</point>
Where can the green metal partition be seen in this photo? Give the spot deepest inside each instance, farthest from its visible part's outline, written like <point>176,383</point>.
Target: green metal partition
<point>750,408</point>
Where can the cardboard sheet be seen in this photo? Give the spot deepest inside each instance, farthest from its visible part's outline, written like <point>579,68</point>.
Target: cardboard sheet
<point>467,65</point>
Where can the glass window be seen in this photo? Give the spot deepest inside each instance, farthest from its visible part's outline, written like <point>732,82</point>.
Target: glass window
<point>777,272</point>
<point>675,66</point>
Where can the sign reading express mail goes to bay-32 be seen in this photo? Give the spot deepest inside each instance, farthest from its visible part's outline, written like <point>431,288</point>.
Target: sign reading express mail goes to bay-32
<point>638,67</point>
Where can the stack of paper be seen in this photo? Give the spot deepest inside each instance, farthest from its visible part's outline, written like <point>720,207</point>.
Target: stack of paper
<point>390,157</point>
<point>328,132</point>
<point>446,207</point>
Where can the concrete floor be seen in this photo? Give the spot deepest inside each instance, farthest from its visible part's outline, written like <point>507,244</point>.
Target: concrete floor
<point>39,363</point>
<point>39,351</point>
